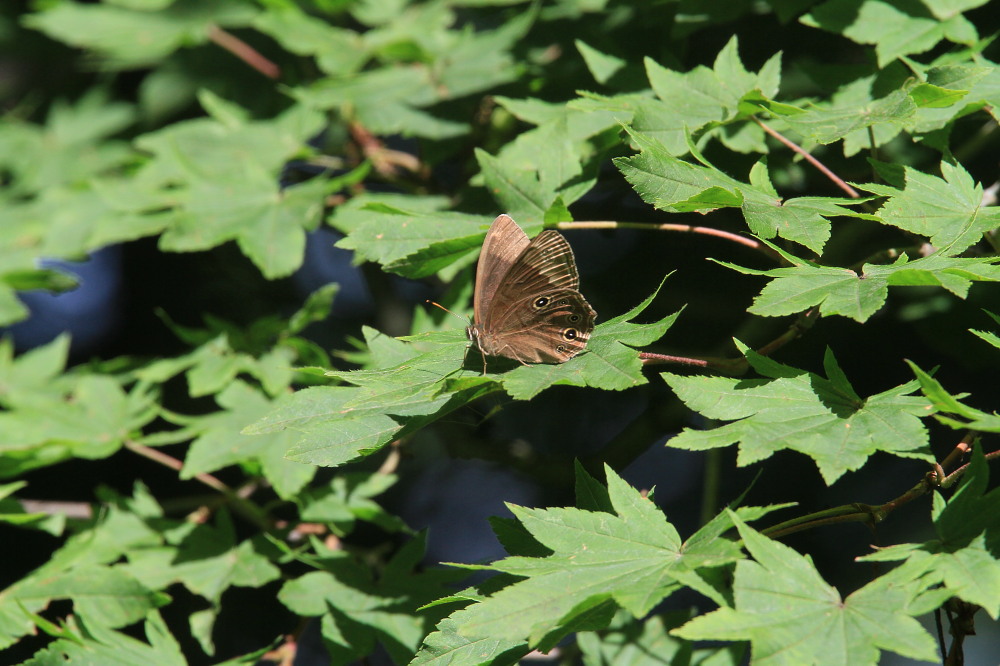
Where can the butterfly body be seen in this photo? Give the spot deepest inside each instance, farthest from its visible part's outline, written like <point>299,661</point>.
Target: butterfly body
<point>528,306</point>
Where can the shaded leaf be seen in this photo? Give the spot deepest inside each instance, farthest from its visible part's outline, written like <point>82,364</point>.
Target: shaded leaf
<point>127,38</point>
<point>102,646</point>
<point>895,28</point>
<point>358,610</point>
<point>968,569</point>
<point>218,442</point>
<point>94,422</point>
<point>105,596</point>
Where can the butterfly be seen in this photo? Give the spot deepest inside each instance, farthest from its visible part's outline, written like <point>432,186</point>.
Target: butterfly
<point>527,303</point>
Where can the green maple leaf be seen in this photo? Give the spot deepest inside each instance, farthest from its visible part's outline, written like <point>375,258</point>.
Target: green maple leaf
<point>676,185</point>
<point>34,376</point>
<point>550,158</point>
<point>106,596</point>
<point>208,562</point>
<point>446,647</point>
<point>443,64</point>
<point>335,424</point>
<point>349,497</point>
<point>221,175</point>
<point>798,410</point>
<point>74,144</point>
<point>645,642</point>
<point>412,243</point>
<point>90,643</point>
<point>949,210</point>
<point>338,51</point>
<point>854,116</point>
<point>945,403</point>
<point>602,66</point>
<point>632,556</point>
<point>842,291</point>
<point>154,35</point>
<point>792,616</point>
<point>703,97</point>
<point>94,421</point>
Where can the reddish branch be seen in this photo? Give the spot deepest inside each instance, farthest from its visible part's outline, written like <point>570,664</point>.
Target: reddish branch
<point>726,366</point>
<point>386,161</point>
<point>837,180</point>
<point>173,463</point>
<point>746,241</point>
<point>243,51</point>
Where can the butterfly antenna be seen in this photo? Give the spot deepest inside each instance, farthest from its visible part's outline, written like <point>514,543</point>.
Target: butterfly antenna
<point>447,310</point>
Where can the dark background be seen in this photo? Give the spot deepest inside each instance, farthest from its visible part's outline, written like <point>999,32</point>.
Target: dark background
<point>461,472</point>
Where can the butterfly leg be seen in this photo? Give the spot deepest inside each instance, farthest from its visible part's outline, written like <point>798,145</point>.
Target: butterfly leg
<point>512,353</point>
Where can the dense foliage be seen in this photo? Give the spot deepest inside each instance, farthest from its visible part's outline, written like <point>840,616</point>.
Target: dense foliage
<point>228,414</point>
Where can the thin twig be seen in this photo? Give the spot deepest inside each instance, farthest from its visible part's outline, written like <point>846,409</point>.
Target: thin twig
<point>741,239</point>
<point>77,510</point>
<point>940,633</point>
<point>391,463</point>
<point>727,366</point>
<point>735,367</point>
<point>236,499</point>
<point>957,474</point>
<point>243,51</point>
<point>837,180</point>
<point>386,161</point>
<point>802,323</point>
<point>959,452</point>
<point>847,513</point>
<point>173,463</point>
<point>867,513</point>
<point>872,143</point>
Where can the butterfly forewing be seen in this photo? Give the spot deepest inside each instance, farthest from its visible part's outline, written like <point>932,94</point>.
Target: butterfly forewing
<point>504,244</point>
<point>547,263</point>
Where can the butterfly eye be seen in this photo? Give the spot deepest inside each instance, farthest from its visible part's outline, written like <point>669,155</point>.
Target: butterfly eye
<point>541,302</point>
<point>569,334</point>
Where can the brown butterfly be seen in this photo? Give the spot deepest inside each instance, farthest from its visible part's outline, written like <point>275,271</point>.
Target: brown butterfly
<point>528,306</point>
